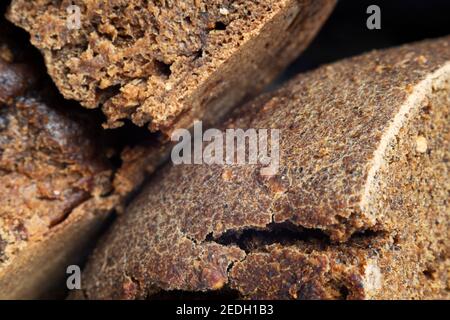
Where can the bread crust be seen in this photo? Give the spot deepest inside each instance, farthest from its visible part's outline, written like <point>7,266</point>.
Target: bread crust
<point>357,209</point>
<point>168,63</point>
<point>57,182</point>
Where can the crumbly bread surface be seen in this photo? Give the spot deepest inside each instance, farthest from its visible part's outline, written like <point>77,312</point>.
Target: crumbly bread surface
<point>57,182</point>
<point>166,63</point>
<point>359,208</point>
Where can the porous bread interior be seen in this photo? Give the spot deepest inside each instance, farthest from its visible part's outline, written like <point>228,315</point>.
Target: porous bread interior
<point>167,76</point>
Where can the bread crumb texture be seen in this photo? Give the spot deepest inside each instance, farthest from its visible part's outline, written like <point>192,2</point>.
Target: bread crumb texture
<point>53,162</point>
<point>364,210</point>
<point>165,63</point>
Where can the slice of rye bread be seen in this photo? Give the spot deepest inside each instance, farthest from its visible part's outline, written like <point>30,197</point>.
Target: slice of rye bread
<point>359,209</point>
<point>166,63</point>
<point>57,182</point>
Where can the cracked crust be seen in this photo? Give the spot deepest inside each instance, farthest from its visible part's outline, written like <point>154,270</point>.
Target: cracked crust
<point>382,233</point>
<point>166,63</point>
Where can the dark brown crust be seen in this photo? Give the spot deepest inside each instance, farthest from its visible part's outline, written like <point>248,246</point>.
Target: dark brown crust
<point>166,63</point>
<point>48,164</point>
<point>55,175</point>
<point>332,123</point>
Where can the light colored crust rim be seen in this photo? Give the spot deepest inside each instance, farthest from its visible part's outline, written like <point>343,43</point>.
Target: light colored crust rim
<point>406,112</point>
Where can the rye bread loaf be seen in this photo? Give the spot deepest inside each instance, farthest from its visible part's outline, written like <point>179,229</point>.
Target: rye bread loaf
<point>359,208</point>
<point>57,181</point>
<point>165,63</point>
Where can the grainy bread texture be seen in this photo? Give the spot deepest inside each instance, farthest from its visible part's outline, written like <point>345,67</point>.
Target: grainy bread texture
<point>166,63</point>
<point>57,183</point>
<point>358,210</point>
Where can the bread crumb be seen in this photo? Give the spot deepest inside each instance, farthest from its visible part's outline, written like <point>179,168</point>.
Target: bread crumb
<point>224,11</point>
<point>227,175</point>
<point>379,69</point>
<point>6,54</point>
<point>421,144</point>
<point>422,59</point>
<point>373,278</point>
<point>276,186</point>
<point>214,278</point>
<point>409,88</point>
<point>36,226</point>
